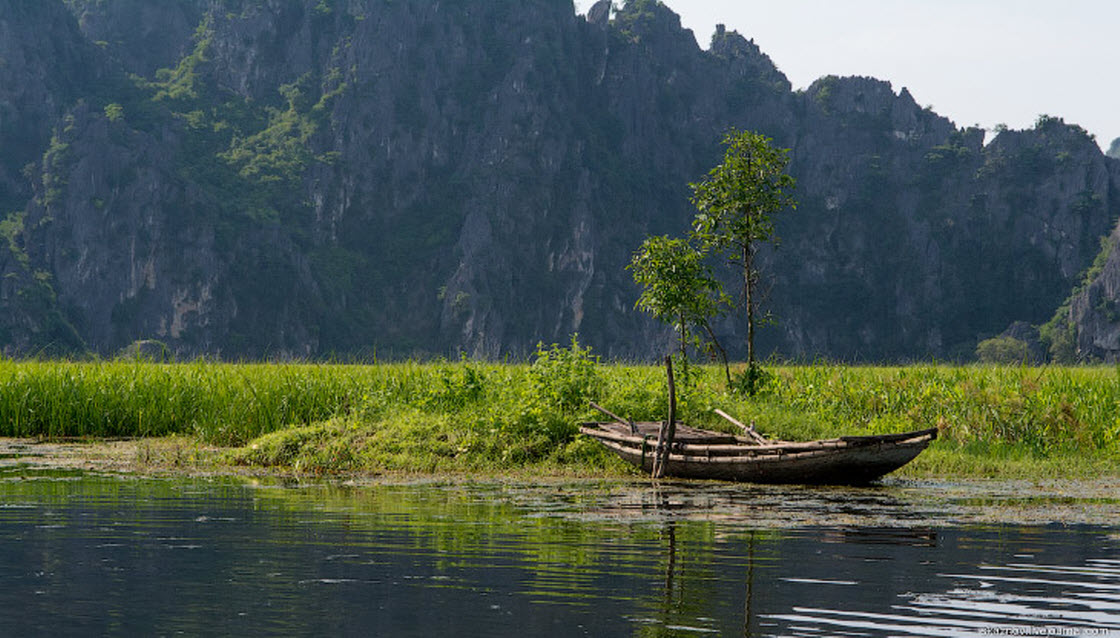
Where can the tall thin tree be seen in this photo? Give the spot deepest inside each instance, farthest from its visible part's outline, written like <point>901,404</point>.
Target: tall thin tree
<point>735,208</point>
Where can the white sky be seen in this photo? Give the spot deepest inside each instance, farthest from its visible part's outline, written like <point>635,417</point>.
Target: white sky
<point>977,62</point>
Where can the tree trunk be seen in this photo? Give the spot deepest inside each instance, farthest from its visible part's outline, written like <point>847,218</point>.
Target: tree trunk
<point>748,293</point>
<point>721,350</point>
<point>683,336</point>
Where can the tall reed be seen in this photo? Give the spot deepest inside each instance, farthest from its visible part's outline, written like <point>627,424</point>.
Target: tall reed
<point>223,403</point>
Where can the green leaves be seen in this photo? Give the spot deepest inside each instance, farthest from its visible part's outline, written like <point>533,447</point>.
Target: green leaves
<point>678,287</point>
<point>739,197</point>
<point>565,378</point>
<point>735,205</point>
<point>1004,350</point>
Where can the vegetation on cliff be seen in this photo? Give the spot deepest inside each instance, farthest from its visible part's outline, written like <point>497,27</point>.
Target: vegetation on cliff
<point>305,179</point>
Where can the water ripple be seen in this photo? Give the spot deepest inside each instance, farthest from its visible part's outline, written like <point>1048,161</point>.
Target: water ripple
<point>1040,600</point>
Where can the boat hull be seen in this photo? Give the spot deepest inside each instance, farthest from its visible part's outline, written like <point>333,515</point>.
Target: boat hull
<point>845,461</point>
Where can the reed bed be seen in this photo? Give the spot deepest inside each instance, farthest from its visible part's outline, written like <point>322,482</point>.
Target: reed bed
<point>225,404</point>
<point>1043,409</point>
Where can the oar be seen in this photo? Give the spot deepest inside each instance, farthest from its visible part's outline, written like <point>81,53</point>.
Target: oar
<point>748,430</point>
<point>633,428</point>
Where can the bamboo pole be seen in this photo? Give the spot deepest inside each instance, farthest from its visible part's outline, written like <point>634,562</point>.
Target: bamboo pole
<point>723,449</point>
<point>771,447</point>
<point>633,428</point>
<point>669,428</point>
<point>748,430</point>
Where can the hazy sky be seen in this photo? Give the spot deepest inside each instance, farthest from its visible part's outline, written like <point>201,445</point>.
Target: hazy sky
<point>982,62</point>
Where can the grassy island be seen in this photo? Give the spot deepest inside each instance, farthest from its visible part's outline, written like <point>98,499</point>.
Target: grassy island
<point>468,417</point>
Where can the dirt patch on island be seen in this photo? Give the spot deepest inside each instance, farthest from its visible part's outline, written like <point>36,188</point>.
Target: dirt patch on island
<point>161,456</point>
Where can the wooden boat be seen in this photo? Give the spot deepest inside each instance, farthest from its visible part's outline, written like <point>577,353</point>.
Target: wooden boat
<point>704,454</point>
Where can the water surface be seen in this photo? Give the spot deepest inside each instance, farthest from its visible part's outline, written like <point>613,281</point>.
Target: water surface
<point>91,554</point>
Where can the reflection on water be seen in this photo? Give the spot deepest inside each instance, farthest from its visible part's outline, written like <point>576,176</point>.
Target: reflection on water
<point>1039,600</point>
<point>103,555</point>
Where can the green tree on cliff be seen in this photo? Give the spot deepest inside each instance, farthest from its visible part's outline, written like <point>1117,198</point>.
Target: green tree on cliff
<point>736,205</point>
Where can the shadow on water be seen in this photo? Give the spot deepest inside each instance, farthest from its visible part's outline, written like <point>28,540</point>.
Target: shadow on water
<point>105,554</point>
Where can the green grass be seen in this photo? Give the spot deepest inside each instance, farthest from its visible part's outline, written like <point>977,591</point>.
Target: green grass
<point>473,417</point>
<point>224,404</point>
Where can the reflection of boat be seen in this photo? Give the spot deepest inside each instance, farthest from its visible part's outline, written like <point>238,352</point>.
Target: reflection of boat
<point>898,536</point>
<point>703,454</point>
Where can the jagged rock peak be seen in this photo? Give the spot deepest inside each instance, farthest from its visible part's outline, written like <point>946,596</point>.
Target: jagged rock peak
<point>600,13</point>
<point>857,90</point>
<point>731,46</point>
<point>652,20</point>
<point>1114,149</point>
<point>858,96</point>
<point>1047,129</point>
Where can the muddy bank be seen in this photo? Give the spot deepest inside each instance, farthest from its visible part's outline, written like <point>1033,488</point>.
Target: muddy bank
<point>150,456</point>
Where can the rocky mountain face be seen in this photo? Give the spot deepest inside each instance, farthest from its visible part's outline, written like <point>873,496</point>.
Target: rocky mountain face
<point>250,178</point>
<point>46,66</point>
<point>139,35</point>
<point>40,78</point>
<point>1090,322</point>
<point>1087,326</point>
<point>943,242</point>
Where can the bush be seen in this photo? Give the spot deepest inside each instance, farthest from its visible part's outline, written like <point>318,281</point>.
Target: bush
<point>565,378</point>
<point>1004,350</point>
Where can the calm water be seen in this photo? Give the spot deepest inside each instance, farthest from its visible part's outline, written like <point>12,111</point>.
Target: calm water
<point>105,555</point>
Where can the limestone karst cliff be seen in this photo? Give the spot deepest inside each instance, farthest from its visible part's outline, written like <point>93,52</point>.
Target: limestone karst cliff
<point>337,177</point>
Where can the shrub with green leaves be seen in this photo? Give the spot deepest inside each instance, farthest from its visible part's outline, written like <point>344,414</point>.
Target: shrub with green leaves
<point>566,378</point>
<point>1004,350</point>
